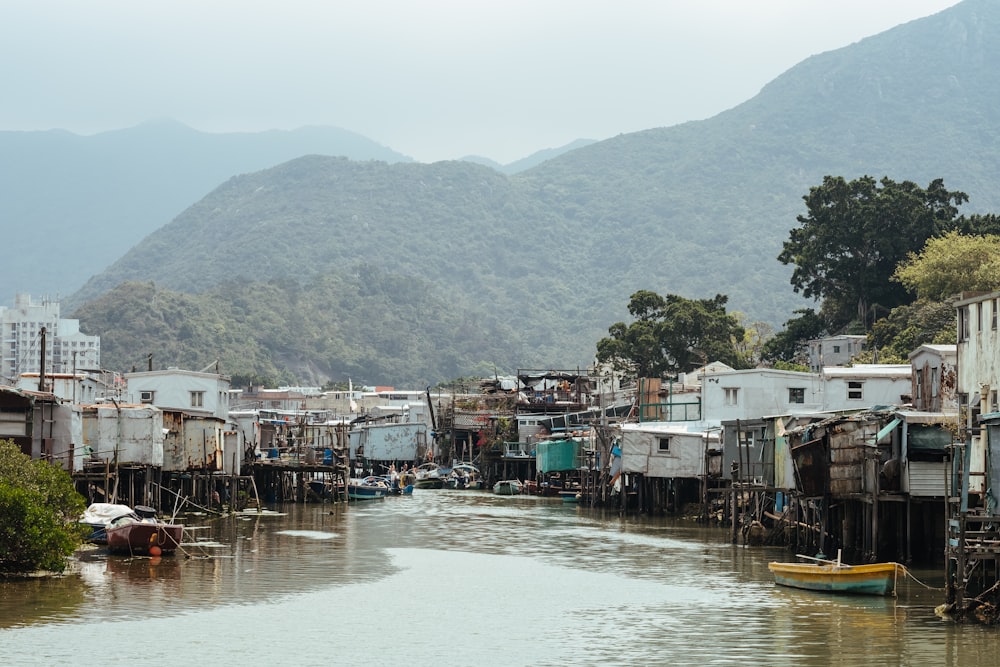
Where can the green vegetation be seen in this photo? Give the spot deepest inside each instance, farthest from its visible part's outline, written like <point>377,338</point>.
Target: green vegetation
<point>951,264</point>
<point>551,254</point>
<point>372,329</point>
<point>898,250</point>
<point>855,234</point>
<point>788,345</point>
<point>672,334</point>
<point>39,509</point>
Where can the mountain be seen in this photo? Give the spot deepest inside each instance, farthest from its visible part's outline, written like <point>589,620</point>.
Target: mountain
<point>532,160</point>
<point>80,202</point>
<point>556,250</point>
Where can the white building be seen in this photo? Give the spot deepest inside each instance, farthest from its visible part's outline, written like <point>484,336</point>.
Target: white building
<point>191,392</point>
<point>978,360</point>
<point>677,450</point>
<point>79,388</point>
<point>195,409</point>
<point>760,392</point>
<point>867,385</point>
<point>834,351</point>
<point>750,394</point>
<point>66,348</point>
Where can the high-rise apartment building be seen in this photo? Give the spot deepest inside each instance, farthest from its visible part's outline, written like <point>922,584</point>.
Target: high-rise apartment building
<point>66,349</point>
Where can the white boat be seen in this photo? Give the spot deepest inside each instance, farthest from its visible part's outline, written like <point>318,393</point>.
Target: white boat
<point>464,476</point>
<point>99,515</point>
<point>428,476</point>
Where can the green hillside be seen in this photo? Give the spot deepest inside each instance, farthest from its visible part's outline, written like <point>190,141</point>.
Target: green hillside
<point>87,199</point>
<point>552,254</point>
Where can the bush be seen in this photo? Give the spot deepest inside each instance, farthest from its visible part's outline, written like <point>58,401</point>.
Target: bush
<point>39,510</point>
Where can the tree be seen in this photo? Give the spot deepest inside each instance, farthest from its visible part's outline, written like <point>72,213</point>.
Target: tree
<point>853,236</point>
<point>39,509</point>
<point>788,345</point>
<point>671,334</point>
<point>756,335</point>
<point>908,327</point>
<point>951,264</point>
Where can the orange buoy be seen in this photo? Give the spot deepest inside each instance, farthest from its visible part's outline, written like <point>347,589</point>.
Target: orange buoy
<point>155,550</point>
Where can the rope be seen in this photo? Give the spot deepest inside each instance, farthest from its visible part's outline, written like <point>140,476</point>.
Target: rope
<point>909,574</point>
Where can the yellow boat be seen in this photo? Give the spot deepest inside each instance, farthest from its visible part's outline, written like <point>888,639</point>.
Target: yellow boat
<point>836,577</point>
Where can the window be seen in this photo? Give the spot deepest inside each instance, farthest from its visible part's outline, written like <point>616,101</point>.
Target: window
<point>663,444</point>
<point>996,304</point>
<point>197,399</point>
<point>993,401</point>
<point>836,349</point>
<point>963,324</point>
<point>796,395</point>
<point>145,397</point>
<point>732,395</point>
<point>979,316</point>
<point>854,390</point>
<point>919,384</point>
<point>934,382</point>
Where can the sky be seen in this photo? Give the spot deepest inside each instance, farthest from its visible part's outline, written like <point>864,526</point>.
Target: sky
<point>433,79</point>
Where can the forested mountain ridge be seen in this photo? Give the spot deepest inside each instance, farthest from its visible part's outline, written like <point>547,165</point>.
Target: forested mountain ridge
<point>554,252</point>
<point>87,199</point>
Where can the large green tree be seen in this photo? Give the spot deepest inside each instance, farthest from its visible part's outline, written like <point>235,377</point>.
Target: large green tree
<point>672,334</point>
<point>951,264</point>
<point>39,509</point>
<point>855,233</point>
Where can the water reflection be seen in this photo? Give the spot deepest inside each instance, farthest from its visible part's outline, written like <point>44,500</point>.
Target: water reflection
<point>468,577</point>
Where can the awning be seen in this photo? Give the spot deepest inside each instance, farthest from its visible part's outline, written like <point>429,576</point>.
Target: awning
<point>887,429</point>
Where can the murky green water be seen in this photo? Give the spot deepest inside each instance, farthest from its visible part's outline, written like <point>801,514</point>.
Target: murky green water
<point>464,578</point>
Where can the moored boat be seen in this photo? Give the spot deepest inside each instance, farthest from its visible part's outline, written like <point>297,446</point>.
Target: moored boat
<point>428,476</point>
<point>508,487</point>
<point>570,496</point>
<point>464,476</point>
<point>837,577</point>
<point>142,534</point>
<point>99,515</point>
<point>369,488</point>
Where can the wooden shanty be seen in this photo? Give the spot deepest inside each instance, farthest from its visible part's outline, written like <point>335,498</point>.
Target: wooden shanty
<point>664,464</point>
<point>864,484</point>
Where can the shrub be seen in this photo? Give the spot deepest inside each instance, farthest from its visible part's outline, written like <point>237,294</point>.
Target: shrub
<point>39,509</point>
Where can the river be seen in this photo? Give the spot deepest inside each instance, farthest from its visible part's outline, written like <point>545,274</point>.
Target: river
<point>465,578</point>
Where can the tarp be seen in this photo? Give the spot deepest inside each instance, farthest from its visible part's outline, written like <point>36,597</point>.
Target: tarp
<point>558,455</point>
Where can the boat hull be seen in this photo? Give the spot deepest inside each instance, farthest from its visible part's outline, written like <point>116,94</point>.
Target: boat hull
<point>367,489</point>
<point>138,538</point>
<point>99,515</point>
<point>508,488</point>
<point>874,579</point>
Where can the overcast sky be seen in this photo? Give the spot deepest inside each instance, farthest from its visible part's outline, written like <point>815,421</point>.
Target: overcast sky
<point>434,79</point>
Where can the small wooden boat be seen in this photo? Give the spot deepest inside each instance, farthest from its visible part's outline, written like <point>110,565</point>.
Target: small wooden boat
<point>570,496</point>
<point>142,534</point>
<point>508,487</point>
<point>369,488</point>
<point>836,577</point>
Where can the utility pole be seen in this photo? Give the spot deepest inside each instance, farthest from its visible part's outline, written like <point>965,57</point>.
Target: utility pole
<point>41,363</point>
